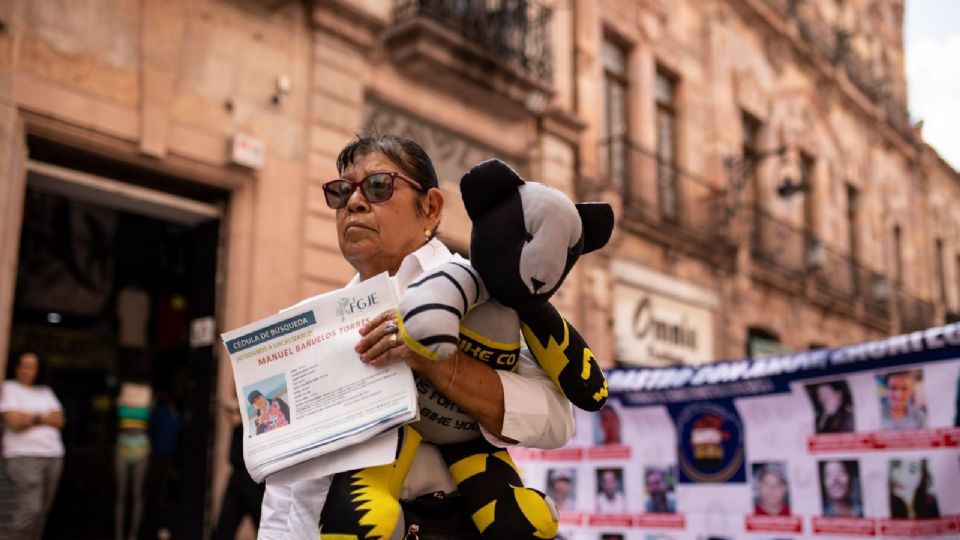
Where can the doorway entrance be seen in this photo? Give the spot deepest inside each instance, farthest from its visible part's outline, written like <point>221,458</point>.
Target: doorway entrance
<point>116,274</point>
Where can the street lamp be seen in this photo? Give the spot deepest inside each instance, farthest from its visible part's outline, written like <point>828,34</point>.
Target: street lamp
<point>736,169</point>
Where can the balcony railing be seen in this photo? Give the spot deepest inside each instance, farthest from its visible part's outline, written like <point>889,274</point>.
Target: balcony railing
<point>515,32</point>
<point>662,195</point>
<point>915,314</point>
<point>779,244</point>
<point>874,289</point>
<point>802,258</point>
<point>834,272</point>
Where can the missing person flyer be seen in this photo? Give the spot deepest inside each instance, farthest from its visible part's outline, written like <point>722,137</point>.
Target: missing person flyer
<point>302,387</point>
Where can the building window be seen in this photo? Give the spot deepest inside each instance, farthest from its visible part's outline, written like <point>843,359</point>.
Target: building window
<point>897,256</point>
<point>853,232</point>
<point>941,271</point>
<point>750,128</point>
<point>665,93</point>
<point>615,113</point>
<point>813,248</point>
<point>762,342</point>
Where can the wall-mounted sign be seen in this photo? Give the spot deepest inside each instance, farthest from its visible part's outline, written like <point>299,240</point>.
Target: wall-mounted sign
<point>659,320</point>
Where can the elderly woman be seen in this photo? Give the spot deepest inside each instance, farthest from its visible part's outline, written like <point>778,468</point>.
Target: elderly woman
<point>32,446</point>
<point>388,207</point>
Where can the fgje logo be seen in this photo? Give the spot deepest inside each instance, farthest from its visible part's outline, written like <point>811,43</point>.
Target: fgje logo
<point>348,307</point>
<point>711,443</point>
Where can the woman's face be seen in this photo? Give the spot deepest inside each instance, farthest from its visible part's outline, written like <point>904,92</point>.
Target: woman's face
<point>899,392</point>
<point>905,478</point>
<point>829,398</point>
<point>375,237</point>
<point>26,373</point>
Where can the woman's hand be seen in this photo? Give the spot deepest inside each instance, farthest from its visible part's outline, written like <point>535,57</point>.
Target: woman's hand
<point>380,344</point>
<point>469,383</point>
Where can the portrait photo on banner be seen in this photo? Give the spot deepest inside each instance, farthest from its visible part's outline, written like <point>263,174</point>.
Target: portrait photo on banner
<point>903,404</point>
<point>610,497</point>
<point>840,492</point>
<point>659,487</point>
<point>832,406</point>
<point>911,489</point>
<point>771,490</point>
<point>606,427</point>
<point>562,488</point>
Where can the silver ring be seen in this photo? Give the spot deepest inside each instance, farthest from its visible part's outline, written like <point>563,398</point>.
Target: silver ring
<point>393,340</point>
<point>392,327</point>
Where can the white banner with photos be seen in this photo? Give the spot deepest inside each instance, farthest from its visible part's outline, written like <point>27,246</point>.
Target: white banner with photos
<point>844,443</point>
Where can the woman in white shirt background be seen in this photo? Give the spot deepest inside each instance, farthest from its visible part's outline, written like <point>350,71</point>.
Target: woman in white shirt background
<point>32,447</point>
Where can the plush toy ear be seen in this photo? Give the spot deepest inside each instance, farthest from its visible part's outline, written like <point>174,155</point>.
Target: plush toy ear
<point>485,184</point>
<point>597,220</point>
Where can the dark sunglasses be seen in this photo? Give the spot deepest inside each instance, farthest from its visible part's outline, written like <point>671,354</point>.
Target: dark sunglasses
<point>376,188</point>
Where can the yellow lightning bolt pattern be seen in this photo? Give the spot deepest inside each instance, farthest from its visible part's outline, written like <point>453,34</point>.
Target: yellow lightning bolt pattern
<point>376,492</point>
<point>552,358</point>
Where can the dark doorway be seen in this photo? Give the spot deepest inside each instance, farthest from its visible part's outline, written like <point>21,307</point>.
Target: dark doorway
<point>107,287</point>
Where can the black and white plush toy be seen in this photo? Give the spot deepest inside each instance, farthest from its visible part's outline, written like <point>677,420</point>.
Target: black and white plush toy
<point>526,238</point>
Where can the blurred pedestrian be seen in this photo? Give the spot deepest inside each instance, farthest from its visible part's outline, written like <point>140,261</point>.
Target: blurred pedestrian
<point>32,446</point>
<point>243,496</point>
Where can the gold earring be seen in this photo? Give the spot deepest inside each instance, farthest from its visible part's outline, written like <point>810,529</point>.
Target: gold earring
<point>427,234</point>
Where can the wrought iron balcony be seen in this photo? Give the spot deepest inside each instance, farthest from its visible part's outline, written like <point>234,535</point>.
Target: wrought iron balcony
<point>512,34</point>
<point>875,290</point>
<point>779,244</point>
<point>915,314</point>
<point>790,251</point>
<point>674,204</point>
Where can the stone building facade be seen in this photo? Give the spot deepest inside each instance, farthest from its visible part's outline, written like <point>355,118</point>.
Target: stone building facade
<point>769,190</point>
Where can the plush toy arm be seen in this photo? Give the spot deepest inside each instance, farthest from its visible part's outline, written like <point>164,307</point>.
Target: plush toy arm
<point>431,308</point>
<point>564,356</point>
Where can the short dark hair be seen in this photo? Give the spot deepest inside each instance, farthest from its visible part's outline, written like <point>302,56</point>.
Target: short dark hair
<point>252,396</point>
<point>906,373</point>
<point>14,363</point>
<point>410,156</point>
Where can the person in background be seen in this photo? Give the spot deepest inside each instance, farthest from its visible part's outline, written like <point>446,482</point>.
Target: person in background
<point>658,488</point>
<point>771,483</point>
<point>164,476</point>
<point>32,446</point>
<point>132,459</point>
<point>243,495</point>
<point>898,406</point>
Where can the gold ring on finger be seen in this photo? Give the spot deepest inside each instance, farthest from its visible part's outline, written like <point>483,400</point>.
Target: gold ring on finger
<point>393,340</point>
